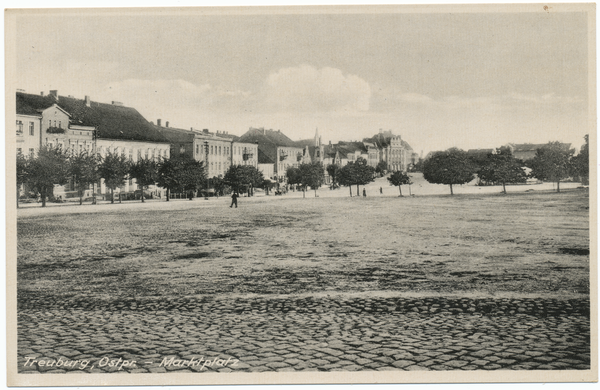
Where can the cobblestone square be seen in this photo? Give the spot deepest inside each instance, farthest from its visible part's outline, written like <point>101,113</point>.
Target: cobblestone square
<point>317,284</point>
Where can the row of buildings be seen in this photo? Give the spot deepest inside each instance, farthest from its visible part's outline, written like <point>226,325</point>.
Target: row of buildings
<point>85,125</point>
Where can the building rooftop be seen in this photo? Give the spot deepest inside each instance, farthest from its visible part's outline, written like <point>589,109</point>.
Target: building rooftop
<point>112,121</point>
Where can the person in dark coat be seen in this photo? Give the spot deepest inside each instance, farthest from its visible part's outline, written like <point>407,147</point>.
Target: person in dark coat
<point>234,197</point>
<point>364,192</point>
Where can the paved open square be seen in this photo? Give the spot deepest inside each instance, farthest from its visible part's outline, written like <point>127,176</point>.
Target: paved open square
<point>470,282</point>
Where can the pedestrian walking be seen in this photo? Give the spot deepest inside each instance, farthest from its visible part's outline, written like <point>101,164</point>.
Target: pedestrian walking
<point>364,192</point>
<point>381,190</point>
<point>234,197</point>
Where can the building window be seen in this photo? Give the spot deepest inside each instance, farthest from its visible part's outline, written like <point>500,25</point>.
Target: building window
<point>146,154</point>
<point>197,149</point>
<point>219,150</point>
<point>31,128</point>
<point>19,127</point>
<point>19,151</point>
<point>211,149</point>
<point>59,124</point>
<point>131,154</point>
<point>31,152</point>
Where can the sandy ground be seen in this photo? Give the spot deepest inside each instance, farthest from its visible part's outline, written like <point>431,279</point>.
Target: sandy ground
<point>420,187</point>
<point>532,244</point>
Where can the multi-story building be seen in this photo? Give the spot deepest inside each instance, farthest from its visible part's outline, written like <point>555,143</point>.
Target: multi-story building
<point>274,149</point>
<point>218,150</point>
<point>79,125</point>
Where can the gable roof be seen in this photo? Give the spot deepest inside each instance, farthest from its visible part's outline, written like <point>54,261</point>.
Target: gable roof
<point>175,135</point>
<point>268,141</point>
<point>111,121</point>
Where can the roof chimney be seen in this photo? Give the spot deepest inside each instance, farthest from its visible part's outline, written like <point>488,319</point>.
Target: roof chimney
<point>205,131</point>
<point>115,103</point>
<point>88,103</point>
<point>167,124</point>
<point>54,93</point>
<point>158,122</point>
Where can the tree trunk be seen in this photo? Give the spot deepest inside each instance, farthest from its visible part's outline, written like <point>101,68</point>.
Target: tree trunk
<point>451,192</point>
<point>504,187</point>
<point>303,192</point>
<point>315,193</point>
<point>18,192</point>
<point>168,194</point>
<point>142,193</point>
<point>80,197</point>
<point>120,200</point>
<point>558,186</point>
<point>357,190</point>
<point>43,194</point>
<point>400,188</point>
<point>94,193</point>
<point>409,190</point>
<point>112,196</point>
<point>350,188</point>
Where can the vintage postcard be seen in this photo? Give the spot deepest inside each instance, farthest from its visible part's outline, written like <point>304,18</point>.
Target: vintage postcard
<point>300,195</point>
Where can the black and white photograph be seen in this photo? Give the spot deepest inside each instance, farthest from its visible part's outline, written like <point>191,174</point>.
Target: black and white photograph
<point>296,195</point>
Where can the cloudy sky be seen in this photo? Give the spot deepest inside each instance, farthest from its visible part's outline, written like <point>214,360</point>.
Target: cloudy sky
<point>471,80</point>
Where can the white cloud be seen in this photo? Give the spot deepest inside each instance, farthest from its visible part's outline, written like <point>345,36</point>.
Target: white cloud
<point>137,92</point>
<point>307,89</point>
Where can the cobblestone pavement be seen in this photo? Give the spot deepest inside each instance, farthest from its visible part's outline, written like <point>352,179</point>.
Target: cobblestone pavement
<point>262,333</point>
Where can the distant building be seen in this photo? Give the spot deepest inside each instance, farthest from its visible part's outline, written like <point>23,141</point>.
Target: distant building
<point>218,150</point>
<point>527,151</point>
<point>274,149</point>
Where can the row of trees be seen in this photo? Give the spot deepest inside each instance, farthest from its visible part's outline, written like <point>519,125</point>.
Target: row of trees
<point>54,166</point>
<point>552,162</point>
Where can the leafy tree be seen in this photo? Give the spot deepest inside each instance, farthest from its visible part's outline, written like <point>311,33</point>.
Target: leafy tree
<point>191,176</point>
<point>293,175</point>
<point>503,168</point>
<point>552,162</point>
<point>333,170</point>
<point>218,184</point>
<point>451,167</point>
<point>268,185</point>
<point>356,172</point>
<point>47,169</point>
<point>581,162</point>
<point>243,177</point>
<point>113,169</point>
<point>345,176</point>
<point>83,169</point>
<point>312,175</point>
<point>167,175</point>
<point>399,178</point>
<point>22,168</point>
<point>381,168</point>
<point>145,173</point>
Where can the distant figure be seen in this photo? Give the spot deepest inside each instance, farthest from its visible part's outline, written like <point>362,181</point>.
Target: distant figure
<point>234,197</point>
<point>380,190</point>
<point>364,192</point>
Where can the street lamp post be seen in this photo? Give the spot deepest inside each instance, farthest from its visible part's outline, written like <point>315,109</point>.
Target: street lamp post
<point>206,162</point>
